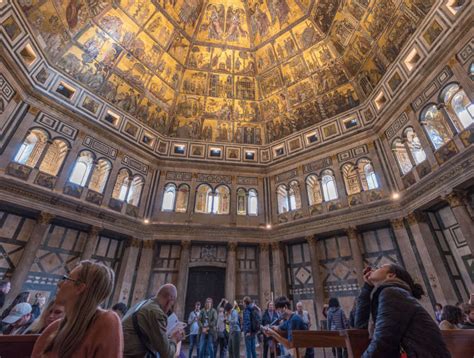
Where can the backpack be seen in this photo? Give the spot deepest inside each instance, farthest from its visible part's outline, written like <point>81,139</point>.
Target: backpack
<point>254,321</point>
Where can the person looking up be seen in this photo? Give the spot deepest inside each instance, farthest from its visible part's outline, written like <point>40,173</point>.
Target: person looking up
<point>234,329</point>
<point>51,313</point>
<point>144,326</point>
<point>194,329</point>
<point>86,330</point>
<point>18,320</point>
<point>451,318</point>
<point>388,305</point>
<point>207,329</point>
<point>5,287</point>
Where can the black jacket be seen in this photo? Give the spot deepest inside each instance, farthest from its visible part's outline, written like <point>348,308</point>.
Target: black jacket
<point>400,321</point>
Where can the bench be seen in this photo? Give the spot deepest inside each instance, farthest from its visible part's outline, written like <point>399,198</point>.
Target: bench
<point>459,342</point>
<point>17,346</point>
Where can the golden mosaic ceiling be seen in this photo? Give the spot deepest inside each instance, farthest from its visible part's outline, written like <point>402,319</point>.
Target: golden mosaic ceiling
<point>243,71</point>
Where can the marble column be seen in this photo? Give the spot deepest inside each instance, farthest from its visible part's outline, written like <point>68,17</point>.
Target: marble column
<point>279,278</point>
<point>91,243</point>
<point>458,206</point>
<point>264,276</point>
<point>28,256</point>
<point>128,266</point>
<point>317,279</point>
<point>431,257</point>
<point>183,278</point>
<point>143,272</point>
<point>356,254</point>
<point>230,271</point>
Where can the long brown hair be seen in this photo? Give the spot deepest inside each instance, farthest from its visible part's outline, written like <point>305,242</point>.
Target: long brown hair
<point>99,281</point>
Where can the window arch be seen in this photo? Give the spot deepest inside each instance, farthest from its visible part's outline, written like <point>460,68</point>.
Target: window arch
<point>368,178</point>
<point>82,168</point>
<point>458,105</point>
<point>221,204</point>
<point>401,155</point>
<point>31,148</point>
<point>204,198</point>
<point>313,188</point>
<point>169,198</point>
<point>282,198</point>
<point>121,185</point>
<point>135,190</point>
<point>351,179</point>
<point>294,195</point>
<point>100,175</point>
<point>54,157</point>
<point>241,201</point>
<point>182,198</point>
<point>414,145</point>
<point>435,126</point>
<point>252,207</point>
<point>328,183</point>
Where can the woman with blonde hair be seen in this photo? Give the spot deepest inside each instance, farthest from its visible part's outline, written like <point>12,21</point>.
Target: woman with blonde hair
<point>52,312</point>
<point>87,330</point>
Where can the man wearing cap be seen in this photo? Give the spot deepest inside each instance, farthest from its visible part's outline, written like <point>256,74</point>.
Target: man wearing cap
<point>18,320</point>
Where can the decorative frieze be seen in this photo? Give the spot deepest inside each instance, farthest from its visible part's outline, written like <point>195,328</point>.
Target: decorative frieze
<point>6,90</point>
<point>352,153</point>
<point>317,165</point>
<point>179,176</point>
<point>431,89</point>
<point>286,175</point>
<point>247,180</point>
<point>214,178</point>
<point>100,147</point>
<point>56,125</point>
<point>396,125</point>
<point>135,164</point>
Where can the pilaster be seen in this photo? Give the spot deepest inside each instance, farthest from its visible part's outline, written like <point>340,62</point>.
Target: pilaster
<point>91,243</point>
<point>317,279</point>
<point>230,272</point>
<point>264,276</point>
<point>126,273</point>
<point>279,277</point>
<point>182,283</point>
<point>458,206</point>
<point>143,272</point>
<point>353,236</point>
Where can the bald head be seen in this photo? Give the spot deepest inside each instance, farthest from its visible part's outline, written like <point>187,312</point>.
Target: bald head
<point>167,296</point>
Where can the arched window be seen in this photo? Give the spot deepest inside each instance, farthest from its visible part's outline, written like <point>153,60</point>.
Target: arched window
<point>121,185</point>
<point>313,189</point>
<point>414,145</point>
<point>82,168</point>
<point>351,179</point>
<point>435,126</point>
<point>401,154</point>
<point>459,107</point>
<point>367,175</point>
<point>31,148</point>
<point>100,175</point>
<point>135,191</point>
<point>221,203</point>
<point>329,185</point>
<point>282,198</point>
<point>252,203</point>
<point>294,195</point>
<point>169,198</point>
<point>54,157</point>
<point>241,202</point>
<point>182,199</point>
<point>203,199</point>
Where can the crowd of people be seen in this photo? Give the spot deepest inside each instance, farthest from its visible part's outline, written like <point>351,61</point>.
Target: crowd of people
<point>74,324</point>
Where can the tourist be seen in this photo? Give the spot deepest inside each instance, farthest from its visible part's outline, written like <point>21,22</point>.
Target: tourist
<point>40,300</point>
<point>5,287</point>
<point>303,314</point>
<point>234,330</point>
<point>194,329</point>
<point>86,330</point>
<point>469,313</point>
<point>120,308</point>
<point>324,322</point>
<point>438,312</point>
<point>207,329</point>
<point>451,318</point>
<point>388,305</point>
<point>222,337</point>
<point>251,320</point>
<point>144,326</point>
<point>20,298</point>
<point>337,321</point>
<point>51,313</point>
<point>270,318</point>
<point>18,320</point>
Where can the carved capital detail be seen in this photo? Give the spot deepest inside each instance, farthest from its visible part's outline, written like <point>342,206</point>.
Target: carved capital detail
<point>311,240</point>
<point>185,245</point>
<point>148,244</point>
<point>264,246</point>
<point>276,246</point>
<point>351,232</point>
<point>44,218</point>
<point>397,224</point>
<point>232,246</point>
<point>94,231</point>
<point>454,199</point>
<point>416,217</point>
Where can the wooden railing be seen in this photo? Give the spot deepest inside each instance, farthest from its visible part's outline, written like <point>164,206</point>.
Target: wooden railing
<point>17,346</point>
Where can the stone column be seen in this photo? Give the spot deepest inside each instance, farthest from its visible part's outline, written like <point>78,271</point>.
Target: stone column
<point>279,278</point>
<point>409,258</point>
<point>463,218</point>
<point>127,270</point>
<point>28,256</point>
<point>317,279</point>
<point>356,254</point>
<point>91,243</point>
<point>230,272</point>
<point>183,278</point>
<point>143,272</point>
<point>264,275</point>
<point>431,257</point>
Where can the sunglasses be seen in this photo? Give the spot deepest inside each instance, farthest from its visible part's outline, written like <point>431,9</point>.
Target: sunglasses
<point>67,278</point>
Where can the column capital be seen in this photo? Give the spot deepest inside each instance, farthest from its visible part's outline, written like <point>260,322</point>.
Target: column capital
<point>185,244</point>
<point>94,230</point>
<point>232,246</point>
<point>44,218</point>
<point>264,246</point>
<point>351,232</point>
<point>311,240</point>
<point>276,245</point>
<point>416,217</point>
<point>454,199</point>
<point>397,224</point>
<point>148,244</point>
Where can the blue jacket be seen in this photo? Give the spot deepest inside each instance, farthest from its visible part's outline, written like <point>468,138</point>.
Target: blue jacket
<point>247,318</point>
<point>294,323</point>
<point>400,321</point>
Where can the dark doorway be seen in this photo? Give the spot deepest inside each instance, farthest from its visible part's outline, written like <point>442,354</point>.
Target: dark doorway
<point>203,282</point>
